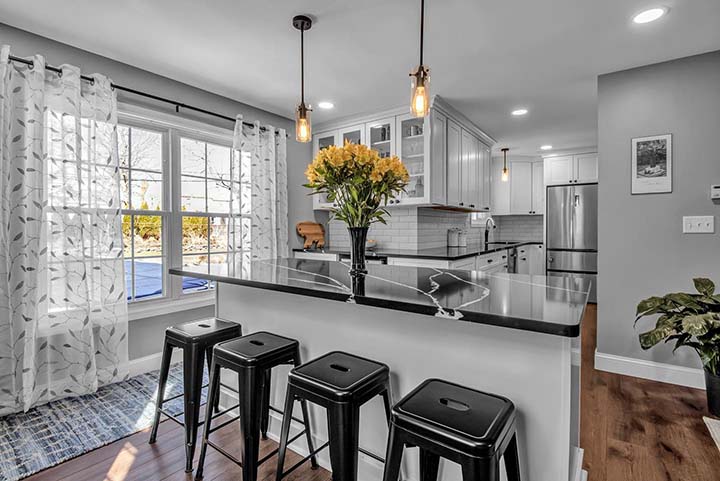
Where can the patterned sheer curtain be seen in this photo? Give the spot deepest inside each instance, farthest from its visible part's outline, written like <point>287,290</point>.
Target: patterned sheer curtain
<point>63,308</point>
<point>263,152</point>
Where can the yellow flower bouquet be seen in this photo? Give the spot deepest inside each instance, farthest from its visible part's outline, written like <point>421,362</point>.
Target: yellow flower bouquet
<point>357,181</point>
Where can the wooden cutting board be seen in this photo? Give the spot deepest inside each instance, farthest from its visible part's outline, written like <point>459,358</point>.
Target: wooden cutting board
<point>312,233</point>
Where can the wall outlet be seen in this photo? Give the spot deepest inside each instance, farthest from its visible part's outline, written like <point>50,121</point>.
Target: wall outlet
<point>698,224</point>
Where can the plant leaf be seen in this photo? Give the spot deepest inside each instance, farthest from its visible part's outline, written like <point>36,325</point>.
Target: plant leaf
<point>704,286</point>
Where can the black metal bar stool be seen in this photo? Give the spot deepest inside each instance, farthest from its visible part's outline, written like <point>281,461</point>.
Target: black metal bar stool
<point>252,357</point>
<point>469,427</point>
<point>340,383</point>
<point>196,339</point>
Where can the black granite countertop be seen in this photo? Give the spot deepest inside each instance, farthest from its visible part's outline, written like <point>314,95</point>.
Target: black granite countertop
<point>441,253</point>
<point>550,305</point>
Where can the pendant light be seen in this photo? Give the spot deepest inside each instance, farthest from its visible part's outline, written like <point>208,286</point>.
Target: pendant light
<point>505,172</point>
<point>303,128</point>
<point>420,84</point>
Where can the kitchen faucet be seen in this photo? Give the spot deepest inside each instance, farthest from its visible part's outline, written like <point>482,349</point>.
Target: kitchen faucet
<point>488,222</point>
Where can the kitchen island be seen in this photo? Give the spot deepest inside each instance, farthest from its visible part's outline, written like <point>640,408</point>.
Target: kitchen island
<point>508,334</point>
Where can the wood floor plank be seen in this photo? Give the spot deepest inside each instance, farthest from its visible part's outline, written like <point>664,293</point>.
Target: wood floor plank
<point>631,430</point>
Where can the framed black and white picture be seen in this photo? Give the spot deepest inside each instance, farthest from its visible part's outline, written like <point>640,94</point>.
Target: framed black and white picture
<point>652,164</point>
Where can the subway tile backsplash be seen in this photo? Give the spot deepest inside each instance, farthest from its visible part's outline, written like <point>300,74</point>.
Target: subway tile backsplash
<point>422,228</point>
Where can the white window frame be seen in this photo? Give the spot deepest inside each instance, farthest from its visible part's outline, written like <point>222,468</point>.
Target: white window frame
<point>173,300</point>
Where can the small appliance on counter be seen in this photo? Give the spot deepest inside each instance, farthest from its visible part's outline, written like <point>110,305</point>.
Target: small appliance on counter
<point>456,237</point>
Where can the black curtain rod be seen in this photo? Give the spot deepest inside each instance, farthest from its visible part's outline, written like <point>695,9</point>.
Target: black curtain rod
<point>178,105</point>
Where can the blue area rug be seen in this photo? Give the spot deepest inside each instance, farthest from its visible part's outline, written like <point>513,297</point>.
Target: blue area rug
<point>64,429</point>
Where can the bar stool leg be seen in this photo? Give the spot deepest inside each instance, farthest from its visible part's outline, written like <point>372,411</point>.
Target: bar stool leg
<point>193,360</point>
<point>213,395</point>
<point>473,470</point>
<point>429,465</point>
<point>164,371</point>
<point>265,420</point>
<point>308,434</point>
<point>251,404</point>
<point>387,401</point>
<point>343,431</point>
<point>512,462</point>
<point>285,432</point>
<point>393,456</point>
<point>208,358</point>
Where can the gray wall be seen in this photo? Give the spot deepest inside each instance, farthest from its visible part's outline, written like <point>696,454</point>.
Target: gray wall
<point>642,249</point>
<point>145,335</point>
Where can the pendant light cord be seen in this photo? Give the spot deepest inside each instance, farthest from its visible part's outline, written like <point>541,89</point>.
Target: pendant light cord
<point>422,28</point>
<point>302,66</point>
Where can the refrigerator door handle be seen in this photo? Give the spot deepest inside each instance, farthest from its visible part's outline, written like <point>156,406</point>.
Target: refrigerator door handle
<point>577,200</point>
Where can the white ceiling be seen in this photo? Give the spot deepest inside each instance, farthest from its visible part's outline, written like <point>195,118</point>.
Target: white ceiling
<point>486,57</point>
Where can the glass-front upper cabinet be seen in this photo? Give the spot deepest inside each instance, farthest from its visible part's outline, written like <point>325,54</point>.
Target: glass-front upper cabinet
<point>381,136</point>
<point>411,148</point>
<point>354,134</point>
<point>321,141</point>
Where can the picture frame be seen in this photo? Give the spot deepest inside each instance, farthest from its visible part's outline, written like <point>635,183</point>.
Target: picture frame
<point>651,165</point>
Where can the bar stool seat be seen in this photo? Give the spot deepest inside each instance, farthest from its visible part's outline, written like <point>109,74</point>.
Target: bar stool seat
<point>341,383</point>
<point>252,357</point>
<point>341,377</point>
<point>472,428</point>
<point>196,339</point>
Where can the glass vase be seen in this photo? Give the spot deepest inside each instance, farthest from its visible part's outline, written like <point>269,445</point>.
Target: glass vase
<point>358,237</point>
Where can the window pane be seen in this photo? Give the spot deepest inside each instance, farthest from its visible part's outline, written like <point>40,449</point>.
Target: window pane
<point>192,153</point>
<point>148,278</point>
<point>200,263</point>
<point>146,191</point>
<point>195,234</point>
<point>128,279</point>
<point>245,198</point>
<point>192,196</point>
<point>218,161</point>
<point>123,134</point>
<point>219,234</point>
<point>127,237</point>
<point>246,234</point>
<point>125,188</point>
<point>218,264</point>
<point>145,149</point>
<point>219,196</point>
<point>148,236</point>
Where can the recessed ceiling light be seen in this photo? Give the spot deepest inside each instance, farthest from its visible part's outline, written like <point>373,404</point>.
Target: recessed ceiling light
<point>519,112</point>
<point>650,15</point>
<point>546,147</point>
<point>326,105</point>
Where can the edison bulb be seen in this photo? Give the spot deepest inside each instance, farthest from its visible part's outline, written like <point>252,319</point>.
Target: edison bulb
<point>420,101</point>
<point>505,174</point>
<point>303,129</point>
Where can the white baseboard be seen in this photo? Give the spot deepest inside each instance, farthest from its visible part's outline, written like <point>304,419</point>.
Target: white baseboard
<point>149,363</point>
<point>655,371</point>
<point>576,464</point>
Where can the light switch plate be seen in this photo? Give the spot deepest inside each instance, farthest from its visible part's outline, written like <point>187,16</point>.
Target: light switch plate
<point>698,224</point>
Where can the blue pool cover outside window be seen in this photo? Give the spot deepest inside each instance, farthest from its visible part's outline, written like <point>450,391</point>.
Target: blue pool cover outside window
<point>149,280</point>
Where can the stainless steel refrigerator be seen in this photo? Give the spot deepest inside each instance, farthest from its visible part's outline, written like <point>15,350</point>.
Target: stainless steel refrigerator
<point>572,233</point>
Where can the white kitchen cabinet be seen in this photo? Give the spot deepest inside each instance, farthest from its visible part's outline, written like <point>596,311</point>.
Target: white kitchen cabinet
<point>320,256</point>
<point>443,170</point>
<point>536,259</point>
<point>524,191</point>
<point>521,183</point>
<point>468,263</point>
<point>586,168</point>
<point>571,169</point>
<point>354,134</point>
<point>538,188</point>
<point>321,141</point>
<point>454,163</point>
<point>485,175</point>
<point>380,135</point>
<point>493,262</point>
<point>500,190</point>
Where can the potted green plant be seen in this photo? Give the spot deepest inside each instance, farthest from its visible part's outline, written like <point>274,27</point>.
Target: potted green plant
<point>359,183</point>
<point>691,320</point>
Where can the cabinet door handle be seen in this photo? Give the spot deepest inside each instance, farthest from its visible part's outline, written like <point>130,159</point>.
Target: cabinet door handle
<point>472,205</point>
<point>489,261</point>
<point>461,203</point>
<point>523,258</point>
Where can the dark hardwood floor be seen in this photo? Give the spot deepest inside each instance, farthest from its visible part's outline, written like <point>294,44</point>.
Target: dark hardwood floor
<point>632,430</point>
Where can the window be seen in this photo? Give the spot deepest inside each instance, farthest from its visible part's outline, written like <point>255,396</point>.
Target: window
<point>144,210</point>
<point>214,220</point>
